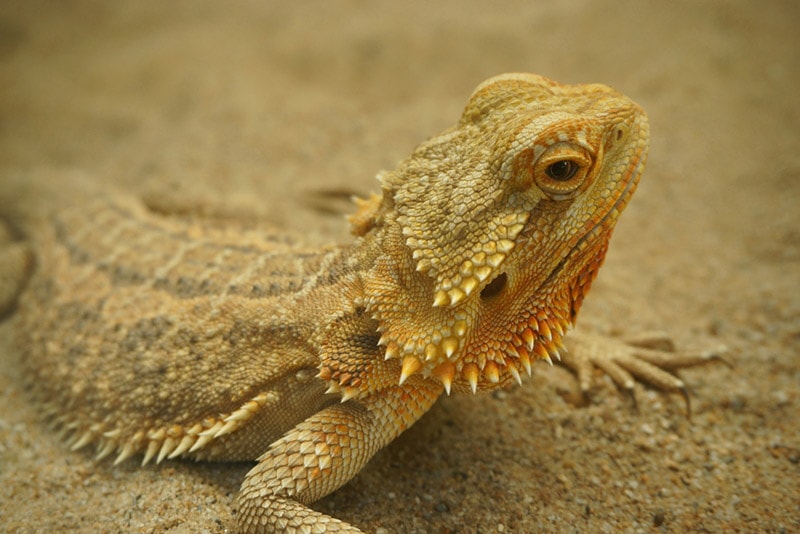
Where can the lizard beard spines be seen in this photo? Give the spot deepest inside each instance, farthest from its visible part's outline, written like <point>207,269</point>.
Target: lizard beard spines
<point>452,344</point>
<point>464,346</point>
<point>497,360</point>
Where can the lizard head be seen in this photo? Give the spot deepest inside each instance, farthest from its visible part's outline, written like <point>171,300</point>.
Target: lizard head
<point>494,230</point>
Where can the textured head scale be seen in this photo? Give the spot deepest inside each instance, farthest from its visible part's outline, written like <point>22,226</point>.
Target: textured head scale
<point>504,221</point>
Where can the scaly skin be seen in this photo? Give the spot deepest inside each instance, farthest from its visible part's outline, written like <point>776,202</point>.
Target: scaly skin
<point>160,337</point>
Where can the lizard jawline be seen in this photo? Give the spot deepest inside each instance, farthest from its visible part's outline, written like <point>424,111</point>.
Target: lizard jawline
<point>606,222</point>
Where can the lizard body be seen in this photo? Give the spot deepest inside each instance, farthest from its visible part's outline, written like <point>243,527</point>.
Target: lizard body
<point>161,337</point>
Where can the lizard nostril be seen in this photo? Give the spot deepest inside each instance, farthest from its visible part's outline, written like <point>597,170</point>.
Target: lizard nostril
<point>621,133</point>
<point>494,287</point>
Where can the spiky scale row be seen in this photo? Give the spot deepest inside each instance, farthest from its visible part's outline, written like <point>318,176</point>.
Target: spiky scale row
<point>434,347</point>
<point>164,442</point>
<point>477,265</point>
<point>540,338</point>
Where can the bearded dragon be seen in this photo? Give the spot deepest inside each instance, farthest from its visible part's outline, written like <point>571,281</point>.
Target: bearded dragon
<point>160,337</point>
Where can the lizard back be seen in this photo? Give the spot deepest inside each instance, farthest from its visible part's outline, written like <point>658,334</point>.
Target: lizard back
<point>132,318</point>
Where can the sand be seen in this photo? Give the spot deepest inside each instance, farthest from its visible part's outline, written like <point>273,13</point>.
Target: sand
<point>259,109</point>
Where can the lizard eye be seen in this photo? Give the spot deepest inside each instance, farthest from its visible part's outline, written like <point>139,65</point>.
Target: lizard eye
<point>561,171</point>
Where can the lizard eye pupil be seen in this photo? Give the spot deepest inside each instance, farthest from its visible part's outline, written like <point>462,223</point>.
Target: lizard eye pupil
<point>562,170</point>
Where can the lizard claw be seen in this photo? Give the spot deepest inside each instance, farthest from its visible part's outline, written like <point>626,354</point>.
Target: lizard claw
<point>649,359</point>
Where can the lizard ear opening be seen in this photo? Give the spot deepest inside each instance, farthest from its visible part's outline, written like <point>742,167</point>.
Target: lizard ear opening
<point>495,287</point>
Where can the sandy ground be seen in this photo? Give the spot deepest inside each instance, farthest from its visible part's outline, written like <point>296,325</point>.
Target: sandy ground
<point>255,107</point>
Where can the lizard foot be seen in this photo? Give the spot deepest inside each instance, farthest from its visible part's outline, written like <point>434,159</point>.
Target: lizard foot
<point>648,358</point>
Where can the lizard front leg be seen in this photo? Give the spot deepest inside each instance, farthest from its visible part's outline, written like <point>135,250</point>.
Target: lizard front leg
<point>323,453</point>
<point>648,358</point>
